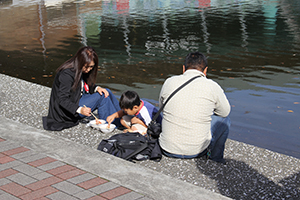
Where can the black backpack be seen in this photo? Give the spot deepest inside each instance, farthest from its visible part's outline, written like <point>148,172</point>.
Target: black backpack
<point>131,146</point>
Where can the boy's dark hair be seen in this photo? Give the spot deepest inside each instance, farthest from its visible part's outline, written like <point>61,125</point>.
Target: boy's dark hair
<point>195,60</point>
<point>129,99</point>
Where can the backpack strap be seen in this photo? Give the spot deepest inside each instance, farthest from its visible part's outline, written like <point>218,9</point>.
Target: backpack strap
<point>124,143</point>
<point>141,148</point>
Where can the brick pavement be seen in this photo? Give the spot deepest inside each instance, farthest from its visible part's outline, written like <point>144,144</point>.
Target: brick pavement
<point>27,175</point>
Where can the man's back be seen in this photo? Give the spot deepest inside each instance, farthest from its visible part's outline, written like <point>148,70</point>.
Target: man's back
<point>186,117</point>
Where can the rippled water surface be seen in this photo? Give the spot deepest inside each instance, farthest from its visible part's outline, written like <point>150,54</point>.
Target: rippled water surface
<point>253,49</point>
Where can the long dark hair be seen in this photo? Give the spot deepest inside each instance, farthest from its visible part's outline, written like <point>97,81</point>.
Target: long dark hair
<point>84,56</point>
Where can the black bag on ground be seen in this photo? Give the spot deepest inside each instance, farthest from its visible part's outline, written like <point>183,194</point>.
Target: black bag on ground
<point>131,146</point>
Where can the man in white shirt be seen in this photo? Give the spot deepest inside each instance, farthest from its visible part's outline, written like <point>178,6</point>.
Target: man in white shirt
<point>195,121</point>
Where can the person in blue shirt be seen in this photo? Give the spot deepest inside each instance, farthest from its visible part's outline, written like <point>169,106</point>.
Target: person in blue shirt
<point>135,113</point>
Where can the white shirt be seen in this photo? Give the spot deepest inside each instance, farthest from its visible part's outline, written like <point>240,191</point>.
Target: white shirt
<point>186,127</point>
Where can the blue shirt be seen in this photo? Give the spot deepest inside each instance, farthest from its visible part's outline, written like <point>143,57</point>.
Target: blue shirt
<point>147,112</point>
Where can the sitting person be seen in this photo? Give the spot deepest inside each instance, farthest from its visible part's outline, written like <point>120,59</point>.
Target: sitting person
<point>136,114</point>
<point>195,121</point>
<point>74,94</point>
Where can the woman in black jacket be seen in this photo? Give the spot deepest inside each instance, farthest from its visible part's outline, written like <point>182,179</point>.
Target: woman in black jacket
<point>74,88</point>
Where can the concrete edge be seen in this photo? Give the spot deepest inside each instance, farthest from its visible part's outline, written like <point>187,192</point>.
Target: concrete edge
<point>135,177</point>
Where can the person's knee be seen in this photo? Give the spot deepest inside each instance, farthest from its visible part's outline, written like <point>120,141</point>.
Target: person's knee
<point>225,122</point>
<point>101,98</point>
<point>123,122</point>
<point>108,90</point>
<point>228,121</point>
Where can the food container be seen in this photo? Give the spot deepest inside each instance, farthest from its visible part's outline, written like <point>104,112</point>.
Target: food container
<point>105,129</point>
<point>96,126</point>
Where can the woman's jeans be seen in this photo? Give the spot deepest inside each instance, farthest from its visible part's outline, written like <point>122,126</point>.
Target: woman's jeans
<point>219,130</point>
<point>106,106</point>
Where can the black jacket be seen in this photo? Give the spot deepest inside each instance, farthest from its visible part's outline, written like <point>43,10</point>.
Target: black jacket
<point>63,102</point>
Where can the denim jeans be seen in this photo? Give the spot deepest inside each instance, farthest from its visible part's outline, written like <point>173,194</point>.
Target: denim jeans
<point>219,130</point>
<point>106,106</point>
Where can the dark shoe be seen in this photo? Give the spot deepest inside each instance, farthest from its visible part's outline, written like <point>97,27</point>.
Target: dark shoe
<point>86,119</point>
<point>223,161</point>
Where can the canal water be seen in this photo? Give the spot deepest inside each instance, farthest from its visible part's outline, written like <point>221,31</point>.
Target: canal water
<point>253,50</point>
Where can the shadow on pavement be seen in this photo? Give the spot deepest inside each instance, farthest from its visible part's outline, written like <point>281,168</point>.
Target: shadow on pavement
<point>238,180</point>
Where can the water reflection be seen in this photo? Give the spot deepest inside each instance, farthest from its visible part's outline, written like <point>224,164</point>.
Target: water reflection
<point>252,46</point>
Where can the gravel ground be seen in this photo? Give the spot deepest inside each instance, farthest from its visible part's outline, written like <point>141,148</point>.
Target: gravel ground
<point>250,172</point>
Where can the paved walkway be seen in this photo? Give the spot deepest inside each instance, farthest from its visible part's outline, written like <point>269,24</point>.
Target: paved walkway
<point>26,174</point>
<point>36,164</point>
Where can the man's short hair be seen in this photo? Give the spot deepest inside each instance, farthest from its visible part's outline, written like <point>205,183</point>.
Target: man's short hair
<point>195,60</point>
<point>129,99</point>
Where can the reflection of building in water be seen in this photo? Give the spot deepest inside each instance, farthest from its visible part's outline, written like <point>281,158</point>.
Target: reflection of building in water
<point>205,33</point>
<point>42,32</point>
<point>49,26</point>
<point>56,3</point>
<point>126,37</point>
<point>31,26</point>
<point>243,24</point>
<point>122,6</point>
<point>16,28</point>
<point>204,3</point>
<point>59,20</point>
<point>270,12</point>
<point>6,3</point>
<point>89,26</point>
<point>292,19</point>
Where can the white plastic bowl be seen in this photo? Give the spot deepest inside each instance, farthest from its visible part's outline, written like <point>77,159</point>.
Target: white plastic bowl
<point>104,128</point>
<point>97,126</point>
